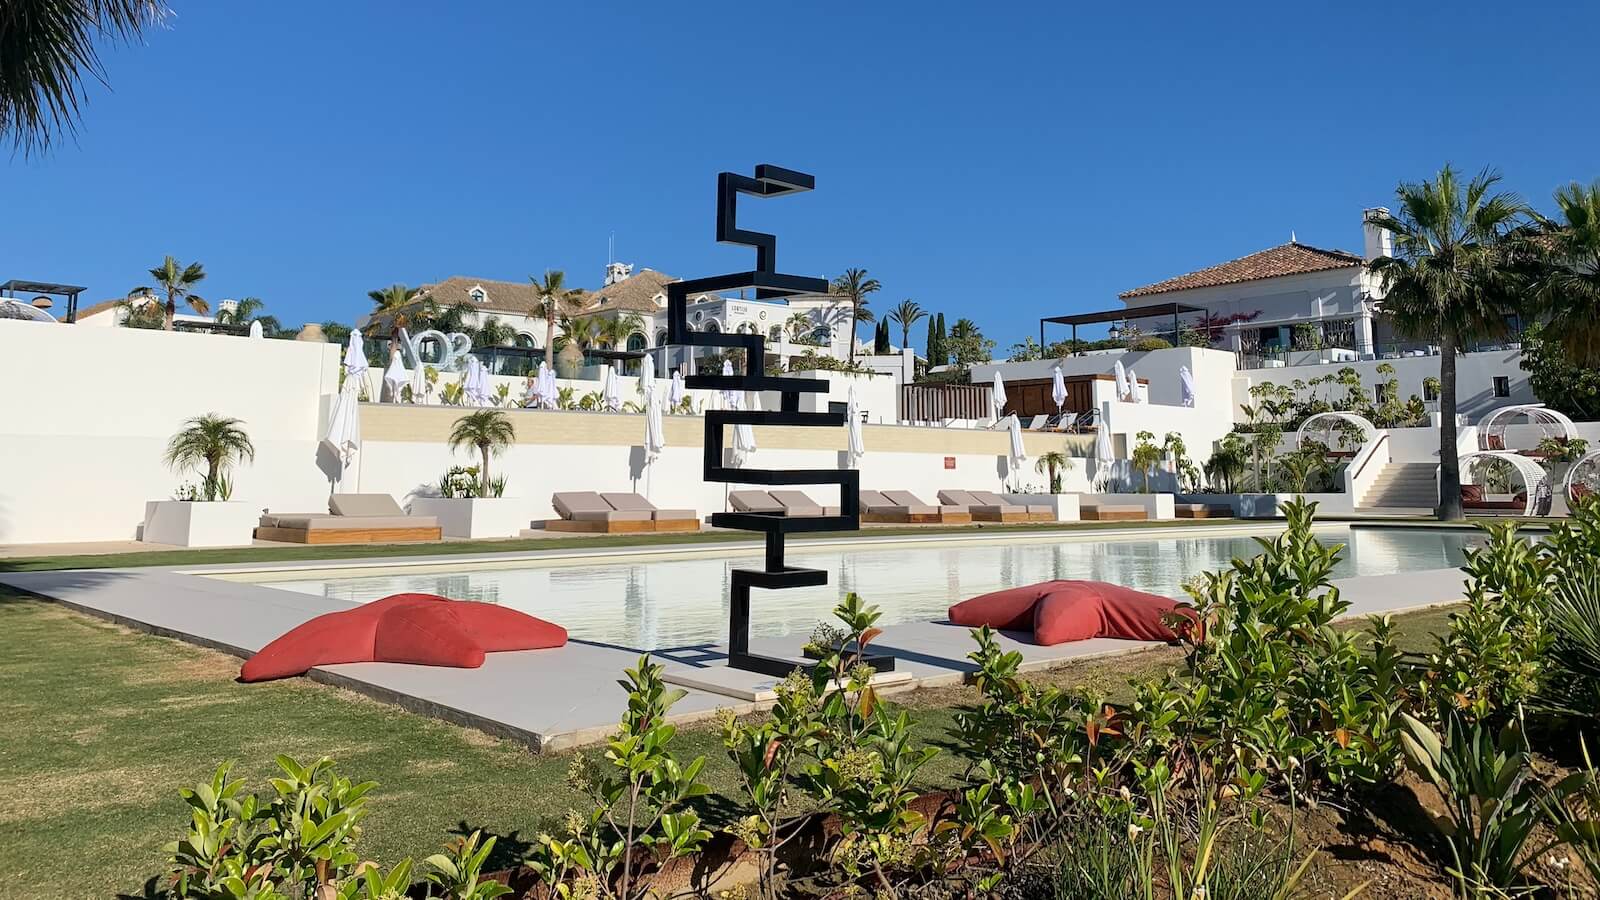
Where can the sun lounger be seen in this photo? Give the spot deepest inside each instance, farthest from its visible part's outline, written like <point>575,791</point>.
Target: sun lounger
<point>951,514</point>
<point>660,519</point>
<point>755,502</point>
<point>1063,422</point>
<point>1037,423</point>
<point>1037,512</point>
<point>354,519</point>
<point>587,512</point>
<point>877,508</point>
<point>1202,511</point>
<point>797,504</point>
<point>1111,512</point>
<point>984,512</point>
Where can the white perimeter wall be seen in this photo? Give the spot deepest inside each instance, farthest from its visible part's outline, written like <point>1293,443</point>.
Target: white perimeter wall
<point>88,413</point>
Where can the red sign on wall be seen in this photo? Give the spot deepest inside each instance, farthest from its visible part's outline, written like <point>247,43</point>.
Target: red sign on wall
<point>949,462</point>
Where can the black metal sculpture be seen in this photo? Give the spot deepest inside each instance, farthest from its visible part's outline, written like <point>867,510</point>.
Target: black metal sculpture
<point>768,283</point>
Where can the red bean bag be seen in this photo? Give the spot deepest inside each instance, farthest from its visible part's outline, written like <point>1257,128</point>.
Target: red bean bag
<point>410,628</point>
<point>1060,611</point>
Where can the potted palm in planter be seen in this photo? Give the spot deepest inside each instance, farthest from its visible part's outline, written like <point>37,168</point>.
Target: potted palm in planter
<point>204,515</point>
<point>471,501</point>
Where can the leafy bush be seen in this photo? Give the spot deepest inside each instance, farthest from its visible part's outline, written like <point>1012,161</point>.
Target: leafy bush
<point>1572,674</point>
<point>1491,662</point>
<point>1274,690</point>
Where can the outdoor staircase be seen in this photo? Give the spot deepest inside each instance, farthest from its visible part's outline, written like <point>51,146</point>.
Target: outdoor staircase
<point>1402,486</point>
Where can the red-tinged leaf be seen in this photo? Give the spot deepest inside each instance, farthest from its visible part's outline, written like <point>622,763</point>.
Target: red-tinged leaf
<point>1341,736</point>
<point>867,636</point>
<point>1092,729</point>
<point>772,751</point>
<point>869,698</point>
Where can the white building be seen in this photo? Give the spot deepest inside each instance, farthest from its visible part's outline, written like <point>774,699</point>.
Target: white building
<point>801,323</point>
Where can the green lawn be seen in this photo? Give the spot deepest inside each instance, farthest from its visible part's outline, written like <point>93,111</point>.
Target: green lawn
<point>104,724</point>
<point>524,545</point>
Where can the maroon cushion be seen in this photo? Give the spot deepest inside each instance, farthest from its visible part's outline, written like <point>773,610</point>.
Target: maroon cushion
<point>1471,493</point>
<point>413,628</point>
<point>425,632</point>
<point>1008,610</point>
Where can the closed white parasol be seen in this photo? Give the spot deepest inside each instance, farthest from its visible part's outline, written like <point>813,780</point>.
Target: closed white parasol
<point>1133,386</point>
<point>1058,388</point>
<point>255,330</point>
<point>655,435</point>
<point>1119,380</point>
<point>997,397</point>
<point>730,399</point>
<point>677,391</point>
<point>744,436</point>
<point>1019,454</point>
<point>394,377</point>
<point>550,393</point>
<point>613,390</point>
<point>475,391</point>
<point>1104,459</point>
<point>355,361</point>
<point>1186,381</point>
<point>856,446</point>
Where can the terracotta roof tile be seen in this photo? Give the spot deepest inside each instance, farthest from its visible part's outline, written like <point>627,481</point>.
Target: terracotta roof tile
<point>1285,259</point>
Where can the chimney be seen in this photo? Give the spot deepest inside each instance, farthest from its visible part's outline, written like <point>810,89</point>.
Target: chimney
<point>616,272</point>
<point>1375,241</point>
<point>227,306</point>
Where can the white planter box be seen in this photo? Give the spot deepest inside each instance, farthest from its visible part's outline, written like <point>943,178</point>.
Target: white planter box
<point>1064,505</point>
<point>490,517</point>
<point>1156,506</point>
<point>186,523</point>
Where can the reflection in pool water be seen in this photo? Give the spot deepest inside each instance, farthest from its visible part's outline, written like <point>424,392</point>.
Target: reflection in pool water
<point>672,603</point>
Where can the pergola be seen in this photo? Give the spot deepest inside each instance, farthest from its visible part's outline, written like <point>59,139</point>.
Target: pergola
<point>1551,424</point>
<point>1155,310</point>
<point>1536,481</point>
<point>1327,423</point>
<point>1583,479</point>
<point>68,292</point>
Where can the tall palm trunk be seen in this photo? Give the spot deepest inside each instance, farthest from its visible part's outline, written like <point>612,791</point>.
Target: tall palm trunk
<point>851,347</point>
<point>1449,508</point>
<point>483,473</point>
<point>169,313</point>
<point>550,337</point>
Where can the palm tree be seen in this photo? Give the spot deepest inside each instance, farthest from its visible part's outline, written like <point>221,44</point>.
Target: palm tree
<point>906,314</point>
<point>1227,463</point>
<point>245,311</point>
<point>556,300</point>
<point>1449,279</point>
<point>335,332</point>
<point>214,442</point>
<point>854,286</point>
<point>46,47</point>
<point>583,331</point>
<point>493,333</point>
<point>1567,267</point>
<point>614,332</point>
<point>1053,463</point>
<point>177,282</point>
<point>800,327</point>
<point>397,305</point>
<point>489,431</point>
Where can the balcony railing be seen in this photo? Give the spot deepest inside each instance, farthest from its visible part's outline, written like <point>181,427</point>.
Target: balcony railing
<point>1278,358</point>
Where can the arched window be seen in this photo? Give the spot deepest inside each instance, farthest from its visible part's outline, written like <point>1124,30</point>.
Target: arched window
<point>526,340</point>
<point>636,341</point>
<point>661,338</point>
<point>775,333</point>
<point>713,327</point>
<point>822,334</point>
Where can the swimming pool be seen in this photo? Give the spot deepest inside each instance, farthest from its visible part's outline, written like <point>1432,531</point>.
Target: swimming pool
<point>676,602</point>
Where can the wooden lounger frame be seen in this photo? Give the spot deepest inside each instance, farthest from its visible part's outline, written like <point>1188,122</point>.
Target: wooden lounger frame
<point>1096,514</point>
<point>900,518</point>
<point>348,535</point>
<point>1021,515</point>
<point>1208,511</point>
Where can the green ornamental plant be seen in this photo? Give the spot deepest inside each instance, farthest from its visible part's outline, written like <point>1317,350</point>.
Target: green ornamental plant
<point>214,444</point>
<point>1146,455</point>
<point>490,432</point>
<point>1052,464</point>
<point>457,873</point>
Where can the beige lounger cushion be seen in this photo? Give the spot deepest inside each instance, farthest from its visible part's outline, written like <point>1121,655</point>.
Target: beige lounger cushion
<point>873,501</point>
<point>364,505</point>
<point>796,503</point>
<point>755,502</point>
<point>911,503</point>
<point>588,506</point>
<point>974,504</point>
<point>636,503</point>
<point>990,498</point>
<point>347,523</point>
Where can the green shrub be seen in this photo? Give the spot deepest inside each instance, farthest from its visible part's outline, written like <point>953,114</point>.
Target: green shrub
<point>1273,689</point>
<point>1491,662</point>
<point>1572,674</point>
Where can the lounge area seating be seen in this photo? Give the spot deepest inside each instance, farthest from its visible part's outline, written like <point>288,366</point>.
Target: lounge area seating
<point>1474,497</point>
<point>1056,612</point>
<point>984,512</point>
<point>904,507</point>
<point>1202,511</point>
<point>779,503</point>
<point>588,512</point>
<point>1036,512</point>
<point>1112,512</point>
<point>351,519</point>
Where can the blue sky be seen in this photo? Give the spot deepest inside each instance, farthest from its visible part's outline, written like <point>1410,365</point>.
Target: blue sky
<point>995,161</point>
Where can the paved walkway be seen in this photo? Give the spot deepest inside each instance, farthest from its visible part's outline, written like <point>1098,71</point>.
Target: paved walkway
<point>552,699</point>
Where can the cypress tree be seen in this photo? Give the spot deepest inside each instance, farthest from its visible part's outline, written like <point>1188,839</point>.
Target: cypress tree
<point>880,338</point>
<point>933,341</point>
<point>942,351</point>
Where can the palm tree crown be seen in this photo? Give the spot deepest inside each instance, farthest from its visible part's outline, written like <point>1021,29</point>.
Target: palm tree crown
<point>1567,271</point>
<point>490,432</point>
<point>906,313</point>
<point>213,442</point>
<point>176,282</point>
<point>557,301</point>
<point>46,47</point>
<point>854,286</point>
<point>397,304</point>
<point>1450,280</point>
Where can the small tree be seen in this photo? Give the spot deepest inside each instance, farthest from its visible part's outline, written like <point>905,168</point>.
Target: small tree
<point>1146,454</point>
<point>1053,464</point>
<point>215,443</point>
<point>906,313</point>
<point>490,432</point>
<point>854,286</point>
<point>176,282</point>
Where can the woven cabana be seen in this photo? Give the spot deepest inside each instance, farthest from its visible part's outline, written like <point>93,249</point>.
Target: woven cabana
<point>1533,500</point>
<point>1327,428</point>
<point>1583,479</point>
<point>1551,424</point>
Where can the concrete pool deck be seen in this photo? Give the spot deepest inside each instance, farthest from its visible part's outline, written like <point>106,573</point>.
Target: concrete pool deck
<point>553,699</point>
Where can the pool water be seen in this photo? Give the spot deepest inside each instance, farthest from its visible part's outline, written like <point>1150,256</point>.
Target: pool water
<point>661,603</point>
